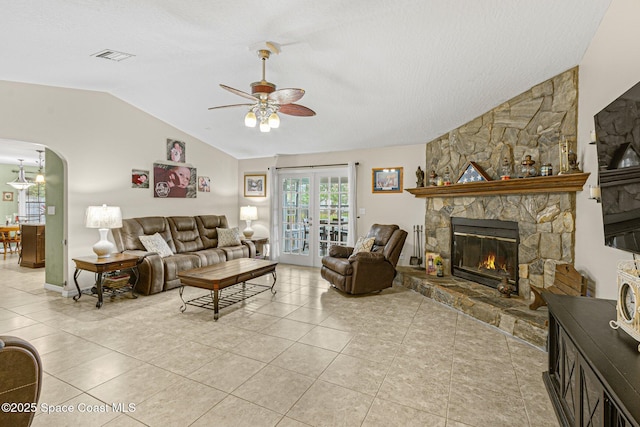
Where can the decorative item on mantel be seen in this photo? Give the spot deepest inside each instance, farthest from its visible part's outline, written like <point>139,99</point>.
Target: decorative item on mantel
<point>419,178</point>
<point>472,172</point>
<point>528,169</point>
<point>447,177</point>
<point>505,169</point>
<point>568,157</point>
<point>433,178</point>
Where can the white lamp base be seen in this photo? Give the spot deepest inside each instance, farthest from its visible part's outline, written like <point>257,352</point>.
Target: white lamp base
<point>248,232</point>
<point>104,248</point>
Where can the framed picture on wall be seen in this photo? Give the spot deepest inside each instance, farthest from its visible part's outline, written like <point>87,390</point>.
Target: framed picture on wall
<point>171,180</point>
<point>139,178</point>
<point>255,185</point>
<point>176,151</point>
<point>386,180</point>
<point>204,184</point>
<point>7,196</point>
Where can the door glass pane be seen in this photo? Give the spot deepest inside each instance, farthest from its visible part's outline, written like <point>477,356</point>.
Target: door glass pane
<point>333,212</point>
<point>295,208</point>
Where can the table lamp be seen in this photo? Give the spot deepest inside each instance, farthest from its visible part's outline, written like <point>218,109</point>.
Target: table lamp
<point>248,213</point>
<point>103,218</point>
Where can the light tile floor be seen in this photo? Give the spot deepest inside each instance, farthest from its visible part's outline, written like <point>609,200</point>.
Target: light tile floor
<point>307,356</point>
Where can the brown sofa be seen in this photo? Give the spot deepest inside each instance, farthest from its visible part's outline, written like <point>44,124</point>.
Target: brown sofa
<point>20,381</point>
<point>192,239</point>
<point>365,272</point>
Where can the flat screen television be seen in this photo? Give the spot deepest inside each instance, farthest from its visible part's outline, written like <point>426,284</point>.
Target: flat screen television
<point>617,129</point>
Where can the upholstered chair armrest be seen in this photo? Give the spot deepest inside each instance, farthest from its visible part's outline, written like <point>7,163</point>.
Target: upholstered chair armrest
<point>337,251</point>
<point>367,257</point>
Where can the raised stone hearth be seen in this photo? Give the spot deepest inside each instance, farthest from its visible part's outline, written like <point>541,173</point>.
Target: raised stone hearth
<point>511,315</point>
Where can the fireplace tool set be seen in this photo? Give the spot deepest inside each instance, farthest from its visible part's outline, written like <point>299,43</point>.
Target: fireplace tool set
<point>416,259</point>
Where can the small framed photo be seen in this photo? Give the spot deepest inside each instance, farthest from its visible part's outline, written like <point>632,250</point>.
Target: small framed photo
<point>255,185</point>
<point>386,180</point>
<point>7,196</point>
<point>139,178</point>
<point>176,151</point>
<point>204,184</point>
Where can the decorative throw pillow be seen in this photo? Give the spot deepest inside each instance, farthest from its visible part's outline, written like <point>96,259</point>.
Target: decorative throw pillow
<point>155,243</point>
<point>364,244</point>
<point>228,237</point>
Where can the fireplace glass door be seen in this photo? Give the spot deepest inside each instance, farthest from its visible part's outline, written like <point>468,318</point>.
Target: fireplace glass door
<point>486,254</point>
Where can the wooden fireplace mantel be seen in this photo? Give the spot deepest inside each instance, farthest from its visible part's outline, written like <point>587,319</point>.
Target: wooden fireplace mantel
<point>539,184</point>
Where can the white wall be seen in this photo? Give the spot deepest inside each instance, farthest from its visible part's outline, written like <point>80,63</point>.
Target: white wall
<point>610,66</point>
<point>102,139</point>
<point>396,208</point>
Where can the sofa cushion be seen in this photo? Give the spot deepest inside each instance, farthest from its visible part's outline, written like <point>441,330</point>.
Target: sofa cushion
<point>208,228</point>
<point>210,256</point>
<point>126,238</point>
<point>184,232</point>
<point>228,237</point>
<point>155,243</point>
<point>174,264</point>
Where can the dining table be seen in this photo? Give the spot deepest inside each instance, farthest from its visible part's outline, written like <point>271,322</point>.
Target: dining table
<point>5,235</point>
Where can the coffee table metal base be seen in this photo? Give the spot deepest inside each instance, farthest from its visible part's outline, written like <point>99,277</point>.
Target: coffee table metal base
<point>228,296</point>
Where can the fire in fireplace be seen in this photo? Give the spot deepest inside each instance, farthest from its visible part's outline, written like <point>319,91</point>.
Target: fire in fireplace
<point>485,251</point>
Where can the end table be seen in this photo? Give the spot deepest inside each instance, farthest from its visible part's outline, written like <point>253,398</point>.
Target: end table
<point>99,266</point>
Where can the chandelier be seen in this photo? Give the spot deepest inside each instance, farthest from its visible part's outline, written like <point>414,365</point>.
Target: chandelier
<point>265,113</point>
<point>20,183</point>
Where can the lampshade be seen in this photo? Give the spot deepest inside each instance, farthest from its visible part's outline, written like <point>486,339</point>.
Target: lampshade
<point>274,121</point>
<point>103,217</point>
<point>264,126</point>
<point>20,183</point>
<point>250,119</point>
<point>248,213</point>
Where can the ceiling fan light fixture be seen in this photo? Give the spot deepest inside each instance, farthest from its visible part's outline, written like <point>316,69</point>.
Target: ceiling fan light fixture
<point>274,121</point>
<point>264,126</point>
<point>250,119</point>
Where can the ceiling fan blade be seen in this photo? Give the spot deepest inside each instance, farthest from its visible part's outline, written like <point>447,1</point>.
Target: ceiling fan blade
<point>238,92</point>
<point>286,96</point>
<point>232,105</point>
<point>296,110</point>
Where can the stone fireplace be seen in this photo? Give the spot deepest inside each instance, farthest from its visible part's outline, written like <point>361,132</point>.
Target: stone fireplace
<point>529,124</point>
<point>485,251</point>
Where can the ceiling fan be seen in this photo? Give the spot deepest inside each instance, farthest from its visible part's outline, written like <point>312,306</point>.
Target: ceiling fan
<point>267,101</point>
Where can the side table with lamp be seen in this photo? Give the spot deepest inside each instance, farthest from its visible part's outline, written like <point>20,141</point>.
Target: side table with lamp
<point>109,268</point>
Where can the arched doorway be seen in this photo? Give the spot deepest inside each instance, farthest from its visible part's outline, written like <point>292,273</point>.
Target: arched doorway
<point>54,208</point>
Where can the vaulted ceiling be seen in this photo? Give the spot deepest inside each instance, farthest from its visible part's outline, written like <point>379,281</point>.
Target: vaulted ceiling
<point>377,72</point>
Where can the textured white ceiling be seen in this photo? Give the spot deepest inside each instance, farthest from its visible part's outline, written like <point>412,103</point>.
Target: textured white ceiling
<point>377,72</point>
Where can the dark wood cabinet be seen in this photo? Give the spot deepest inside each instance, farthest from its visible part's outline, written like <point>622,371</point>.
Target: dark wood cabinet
<point>32,245</point>
<point>594,370</point>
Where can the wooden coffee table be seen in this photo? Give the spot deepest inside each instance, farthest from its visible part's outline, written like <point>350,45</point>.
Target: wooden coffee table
<point>219,276</point>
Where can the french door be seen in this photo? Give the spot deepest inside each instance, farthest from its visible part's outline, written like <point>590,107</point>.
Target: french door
<point>313,214</point>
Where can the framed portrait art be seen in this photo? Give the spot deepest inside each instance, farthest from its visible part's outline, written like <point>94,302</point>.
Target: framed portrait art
<point>7,196</point>
<point>171,180</point>
<point>386,180</point>
<point>255,185</point>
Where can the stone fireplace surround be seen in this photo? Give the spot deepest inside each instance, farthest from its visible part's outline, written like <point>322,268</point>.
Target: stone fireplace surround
<point>529,124</point>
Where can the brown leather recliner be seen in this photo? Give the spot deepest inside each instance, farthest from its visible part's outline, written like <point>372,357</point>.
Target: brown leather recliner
<point>365,272</point>
<point>20,381</point>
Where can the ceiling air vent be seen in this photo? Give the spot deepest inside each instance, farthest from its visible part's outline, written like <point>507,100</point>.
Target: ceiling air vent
<point>112,55</point>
